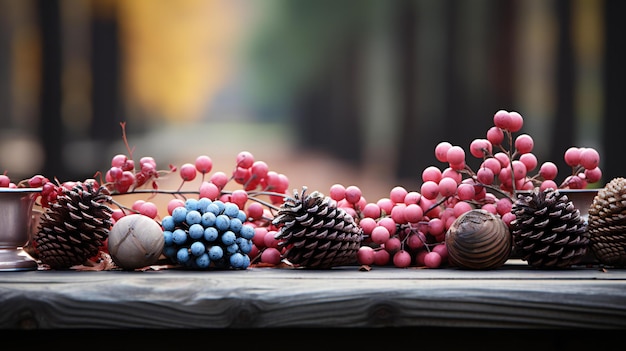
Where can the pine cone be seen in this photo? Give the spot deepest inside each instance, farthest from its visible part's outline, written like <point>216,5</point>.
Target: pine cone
<point>73,228</point>
<point>316,233</point>
<point>607,223</point>
<point>548,230</point>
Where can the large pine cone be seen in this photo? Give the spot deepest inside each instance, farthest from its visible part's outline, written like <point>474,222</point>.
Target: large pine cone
<point>316,233</point>
<point>548,230</point>
<point>74,228</point>
<point>607,223</point>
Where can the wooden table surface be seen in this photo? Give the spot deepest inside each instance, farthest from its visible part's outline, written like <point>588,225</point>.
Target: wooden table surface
<point>513,296</point>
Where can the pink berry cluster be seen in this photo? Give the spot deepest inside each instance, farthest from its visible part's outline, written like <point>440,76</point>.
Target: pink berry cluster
<point>408,228</point>
<point>404,229</point>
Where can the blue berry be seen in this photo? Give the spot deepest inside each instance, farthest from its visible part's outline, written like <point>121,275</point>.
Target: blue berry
<point>196,231</point>
<point>193,217</point>
<point>222,222</point>
<point>210,234</point>
<point>232,248</point>
<point>191,204</point>
<point>203,261</point>
<point>197,248</point>
<point>203,203</point>
<point>242,216</point>
<point>245,245</point>
<point>231,210</point>
<point>213,208</point>
<point>236,260</point>
<point>228,238</point>
<point>179,236</point>
<point>247,231</point>
<point>215,252</point>
<point>182,255</point>
<point>246,261</point>
<point>168,223</point>
<point>168,238</point>
<point>235,225</point>
<point>220,205</point>
<point>208,219</point>
<point>179,214</point>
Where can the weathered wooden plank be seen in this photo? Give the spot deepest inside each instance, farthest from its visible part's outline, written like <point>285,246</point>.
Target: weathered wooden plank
<point>514,296</point>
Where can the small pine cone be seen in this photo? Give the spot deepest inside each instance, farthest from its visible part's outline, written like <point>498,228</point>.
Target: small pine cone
<point>548,230</point>
<point>607,223</point>
<point>72,229</point>
<point>316,233</point>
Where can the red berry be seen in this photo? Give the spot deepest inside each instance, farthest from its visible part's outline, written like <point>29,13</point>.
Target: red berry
<point>188,172</point>
<point>432,259</point>
<point>365,255</point>
<point>271,255</point>
<point>245,159</point>
<point>402,259</point>
<point>204,164</point>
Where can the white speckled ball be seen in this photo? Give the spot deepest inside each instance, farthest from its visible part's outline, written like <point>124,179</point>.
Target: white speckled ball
<point>135,241</point>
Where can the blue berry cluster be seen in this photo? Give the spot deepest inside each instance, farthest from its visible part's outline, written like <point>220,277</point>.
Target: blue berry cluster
<point>208,234</point>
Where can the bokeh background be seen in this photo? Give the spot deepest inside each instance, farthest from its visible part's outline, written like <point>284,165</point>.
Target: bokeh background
<point>357,92</point>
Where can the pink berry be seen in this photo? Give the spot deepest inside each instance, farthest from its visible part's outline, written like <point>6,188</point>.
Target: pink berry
<point>388,223</point>
<point>593,175</point>
<point>503,205</point>
<point>430,190</point>
<point>271,255</point>
<point>485,176</point>
<point>259,237</point>
<point>397,194</point>
<point>519,170</point>
<point>259,169</point>
<point>501,119</point>
<point>416,240</point>
<point>149,209</point>
<point>244,159</point>
<point>270,239</point>
<point>503,158</point>
<point>507,218</point>
<point>137,204</point>
<point>447,187</point>
<point>480,147</point>
<point>173,203</point>
<point>466,191</point>
<point>402,259</point>
<point>393,245</point>
<point>367,224</point>
<point>515,121</point>
<point>432,260</point>
<point>412,197</point>
<point>572,156</point>
<point>385,204</point>
<point>380,235</point>
<point>397,213</point>
<point>353,194</point>
<point>548,170</point>
<point>209,190</point>
<point>381,257</point>
<point>4,181</point>
<point>442,250</point>
<point>413,213</point>
<point>188,172</point>
<point>365,255</point>
<point>219,179</point>
<point>431,173</point>
<point>436,226</point>
<point>524,144</point>
<point>529,160</point>
<point>495,136</point>
<point>589,158</point>
<point>548,184</point>
<point>337,192</point>
<point>460,208</point>
<point>455,155</point>
<point>118,160</point>
<point>239,197</point>
<point>451,173</point>
<point>204,164</point>
<point>441,151</point>
<point>371,210</point>
<point>255,211</point>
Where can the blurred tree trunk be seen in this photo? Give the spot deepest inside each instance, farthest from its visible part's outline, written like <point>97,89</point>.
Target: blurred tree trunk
<point>564,127</point>
<point>614,125</point>
<point>51,129</point>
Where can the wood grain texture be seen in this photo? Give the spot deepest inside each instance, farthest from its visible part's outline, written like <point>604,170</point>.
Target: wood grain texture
<point>514,296</point>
